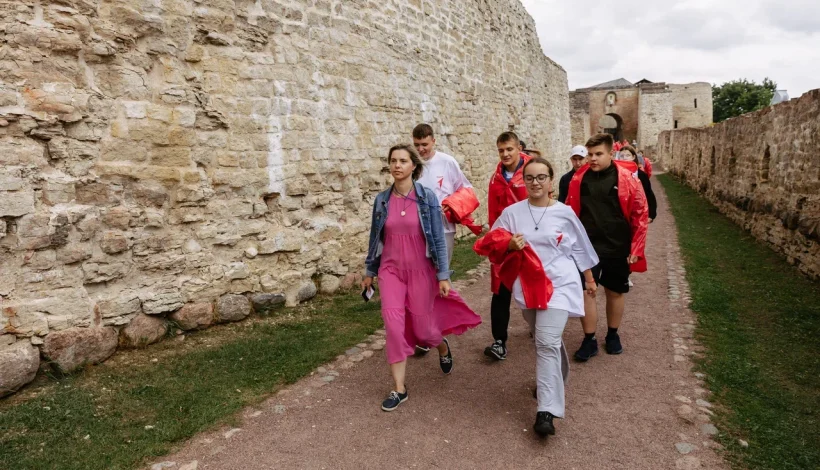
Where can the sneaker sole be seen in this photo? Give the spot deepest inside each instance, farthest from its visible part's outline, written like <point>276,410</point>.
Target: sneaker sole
<point>492,354</point>
<point>615,353</point>
<point>391,409</point>
<point>581,359</point>
<point>550,432</point>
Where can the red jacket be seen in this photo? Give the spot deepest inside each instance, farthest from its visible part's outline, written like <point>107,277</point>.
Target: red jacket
<point>633,204</point>
<point>462,203</point>
<point>502,193</point>
<point>647,167</point>
<point>524,263</point>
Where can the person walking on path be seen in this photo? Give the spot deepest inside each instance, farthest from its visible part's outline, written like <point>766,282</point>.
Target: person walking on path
<point>506,188</point>
<point>407,252</point>
<point>630,155</point>
<point>578,158</point>
<point>541,246</point>
<point>612,207</point>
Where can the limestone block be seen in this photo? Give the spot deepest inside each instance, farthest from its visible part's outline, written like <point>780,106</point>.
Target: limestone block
<point>58,192</point>
<point>232,307</point>
<point>25,321</point>
<point>117,217</point>
<point>113,242</point>
<point>101,271</point>
<point>142,331</point>
<point>192,316</point>
<point>281,242</point>
<point>16,203</point>
<point>161,301</point>
<point>70,349</point>
<point>329,284</point>
<point>125,303</point>
<point>11,179</point>
<point>265,303</point>
<point>237,271</point>
<point>74,253</point>
<point>18,366</point>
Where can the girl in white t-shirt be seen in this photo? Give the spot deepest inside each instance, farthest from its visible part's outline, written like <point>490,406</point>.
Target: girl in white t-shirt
<point>559,239</point>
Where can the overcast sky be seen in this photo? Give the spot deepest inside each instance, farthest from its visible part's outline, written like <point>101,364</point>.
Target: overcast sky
<point>683,41</point>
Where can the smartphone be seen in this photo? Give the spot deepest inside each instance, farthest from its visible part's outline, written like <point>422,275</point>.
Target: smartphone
<point>367,293</point>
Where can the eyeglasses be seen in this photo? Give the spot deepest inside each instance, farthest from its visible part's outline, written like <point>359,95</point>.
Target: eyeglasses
<point>540,178</point>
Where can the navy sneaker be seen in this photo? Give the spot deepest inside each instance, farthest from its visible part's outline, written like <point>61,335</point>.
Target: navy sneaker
<point>613,344</point>
<point>394,400</point>
<point>446,362</point>
<point>543,424</point>
<point>496,351</point>
<point>589,348</point>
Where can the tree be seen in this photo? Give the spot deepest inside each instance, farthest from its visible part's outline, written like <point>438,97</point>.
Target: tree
<point>740,97</point>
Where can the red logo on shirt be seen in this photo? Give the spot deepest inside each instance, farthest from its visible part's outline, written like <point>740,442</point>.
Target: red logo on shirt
<point>440,181</point>
<point>560,237</point>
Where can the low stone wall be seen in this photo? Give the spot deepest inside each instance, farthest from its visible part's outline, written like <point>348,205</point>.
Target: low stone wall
<point>762,170</point>
<point>179,160</point>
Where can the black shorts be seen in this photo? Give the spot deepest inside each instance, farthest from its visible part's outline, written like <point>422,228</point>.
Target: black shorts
<point>612,273</point>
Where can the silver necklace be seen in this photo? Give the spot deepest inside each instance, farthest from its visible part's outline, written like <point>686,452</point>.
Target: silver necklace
<point>533,217</point>
<point>406,198</point>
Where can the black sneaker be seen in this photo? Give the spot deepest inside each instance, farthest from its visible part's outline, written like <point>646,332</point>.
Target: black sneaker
<point>446,362</point>
<point>543,424</point>
<point>496,351</point>
<point>422,350</point>
<point>394,400</point>
<point>613,344</point>
<point>589,348</point>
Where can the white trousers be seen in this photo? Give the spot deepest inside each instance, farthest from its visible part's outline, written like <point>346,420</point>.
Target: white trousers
<point>450,240</point>
<point>552,361</point>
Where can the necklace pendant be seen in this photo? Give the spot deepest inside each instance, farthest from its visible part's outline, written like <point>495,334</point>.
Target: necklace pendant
<point>405,213</point>
<point>536,227</point>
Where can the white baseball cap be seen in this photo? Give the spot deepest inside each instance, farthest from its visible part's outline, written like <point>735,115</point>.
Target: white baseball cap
<point>578,150</point>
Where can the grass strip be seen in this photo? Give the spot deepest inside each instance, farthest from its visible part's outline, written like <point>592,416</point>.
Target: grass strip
<point>759,320</point>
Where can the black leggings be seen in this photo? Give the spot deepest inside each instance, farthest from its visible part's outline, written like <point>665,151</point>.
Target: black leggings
<point>500,313</point>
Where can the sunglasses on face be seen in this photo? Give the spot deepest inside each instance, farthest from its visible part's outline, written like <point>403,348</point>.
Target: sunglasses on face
<point>540,178</point>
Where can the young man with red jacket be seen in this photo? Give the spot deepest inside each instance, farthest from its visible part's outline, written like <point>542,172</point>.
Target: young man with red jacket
<point>612,206</point>
<point>506,188</point>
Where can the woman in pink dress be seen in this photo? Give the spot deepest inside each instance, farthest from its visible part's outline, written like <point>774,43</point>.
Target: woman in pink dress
<point>408,253</point>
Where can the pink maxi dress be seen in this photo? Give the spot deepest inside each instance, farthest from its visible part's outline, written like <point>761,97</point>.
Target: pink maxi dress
<point>413,311</point>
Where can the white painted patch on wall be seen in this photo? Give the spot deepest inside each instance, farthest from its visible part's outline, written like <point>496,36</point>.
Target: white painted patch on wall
<point>276,157</point>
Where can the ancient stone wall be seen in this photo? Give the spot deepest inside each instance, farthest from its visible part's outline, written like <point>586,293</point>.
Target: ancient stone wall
<point>656,114</point>
<point>180,158</point>
<point>579,117</point>
<point>762,170</point>
<point>692,105</point>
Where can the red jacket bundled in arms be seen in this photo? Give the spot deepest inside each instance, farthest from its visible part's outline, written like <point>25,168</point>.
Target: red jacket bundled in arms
<point>524,263</point>
<point>462,203</point>
<point>633,205</point>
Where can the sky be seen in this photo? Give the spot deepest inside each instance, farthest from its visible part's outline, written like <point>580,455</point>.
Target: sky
<point>685,41</point>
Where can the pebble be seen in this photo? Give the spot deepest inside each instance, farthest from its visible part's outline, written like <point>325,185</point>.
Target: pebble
<point>352,351</point>
<point>703,403</point>
<point>231,433</point>
<point>357,358</point>
<point>161,465</point>
<point>683,399</point>
<point>679,358</point>
<point>684,447</point>
<point>190,466</point>
<point>361,345</point>
<point>381,332</point>
<point>367,353</point>
<point>329,378</point>
<point>321,370</point>
<point>279,409</point>
<point>709,429</point>
<point>377,346</point>
<point>346,365</point>
<point>256,414</point>
<point>743,443</point>
<point>700,375</point>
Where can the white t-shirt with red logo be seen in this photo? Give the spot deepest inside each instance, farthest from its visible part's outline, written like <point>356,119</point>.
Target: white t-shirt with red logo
<point>443,175</point>
<point>563,246</point>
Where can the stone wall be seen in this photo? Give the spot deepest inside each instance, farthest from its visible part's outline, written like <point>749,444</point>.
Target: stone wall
<point>579,117</point>
<point>176,158</point>
<point>692,106</point>
<point>762,170</point>
<point>656,113</point>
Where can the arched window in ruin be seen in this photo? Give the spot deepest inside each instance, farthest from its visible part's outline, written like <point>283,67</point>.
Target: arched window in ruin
<point>611,98</point>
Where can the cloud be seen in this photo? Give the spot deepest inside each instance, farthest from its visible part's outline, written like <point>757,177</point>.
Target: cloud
<point>688,41</point>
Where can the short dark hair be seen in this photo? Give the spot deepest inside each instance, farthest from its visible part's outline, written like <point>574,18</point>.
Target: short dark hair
<point>600,139</point>
<point>542,161</point>
<point>522,144</point>
<point>422,130</point>
<point>414,157</point>
<point>508,136</point>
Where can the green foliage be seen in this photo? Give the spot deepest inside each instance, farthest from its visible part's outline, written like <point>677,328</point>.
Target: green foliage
<point>738,97</point>
<point>759,320</point>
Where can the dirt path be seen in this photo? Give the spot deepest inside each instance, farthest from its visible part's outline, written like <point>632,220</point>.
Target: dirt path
<point>623,412</point>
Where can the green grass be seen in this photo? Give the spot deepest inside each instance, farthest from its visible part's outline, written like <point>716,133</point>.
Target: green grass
<point>96,419</point>
<point>464,258</point>
<point>759,320</point>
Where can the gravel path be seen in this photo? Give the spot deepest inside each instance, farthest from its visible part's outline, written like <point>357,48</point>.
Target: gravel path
<point>644,409</point>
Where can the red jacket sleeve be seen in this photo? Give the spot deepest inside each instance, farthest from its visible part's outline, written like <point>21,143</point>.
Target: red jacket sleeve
<point>639,220</point>
<point>493,206</point>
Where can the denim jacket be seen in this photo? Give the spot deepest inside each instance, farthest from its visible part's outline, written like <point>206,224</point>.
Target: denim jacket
<point>431,222</point>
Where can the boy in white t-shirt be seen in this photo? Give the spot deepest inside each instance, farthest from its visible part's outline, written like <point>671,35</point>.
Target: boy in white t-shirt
<point>442,174</point>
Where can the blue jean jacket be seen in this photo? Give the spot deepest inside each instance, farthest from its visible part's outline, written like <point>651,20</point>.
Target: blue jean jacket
<point>431,224</point>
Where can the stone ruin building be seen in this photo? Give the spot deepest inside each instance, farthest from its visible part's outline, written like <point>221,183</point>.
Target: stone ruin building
<point>638,111</point>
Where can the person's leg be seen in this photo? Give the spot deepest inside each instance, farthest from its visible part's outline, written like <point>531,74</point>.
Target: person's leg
<point>500,322</point>
<point>614,308</point>
<point>398,371</point>
<point>549,328</point>
<point>393,293</point>
<point>589,322</point>
<point>450,241</point>
<point>615,280</point>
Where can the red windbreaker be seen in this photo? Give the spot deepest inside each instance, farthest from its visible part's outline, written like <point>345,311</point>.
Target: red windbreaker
<point>502,193</point>
<point>633,204</point>
<point>647,167</point>
<point>462,203</point>
<point>524,263</point>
